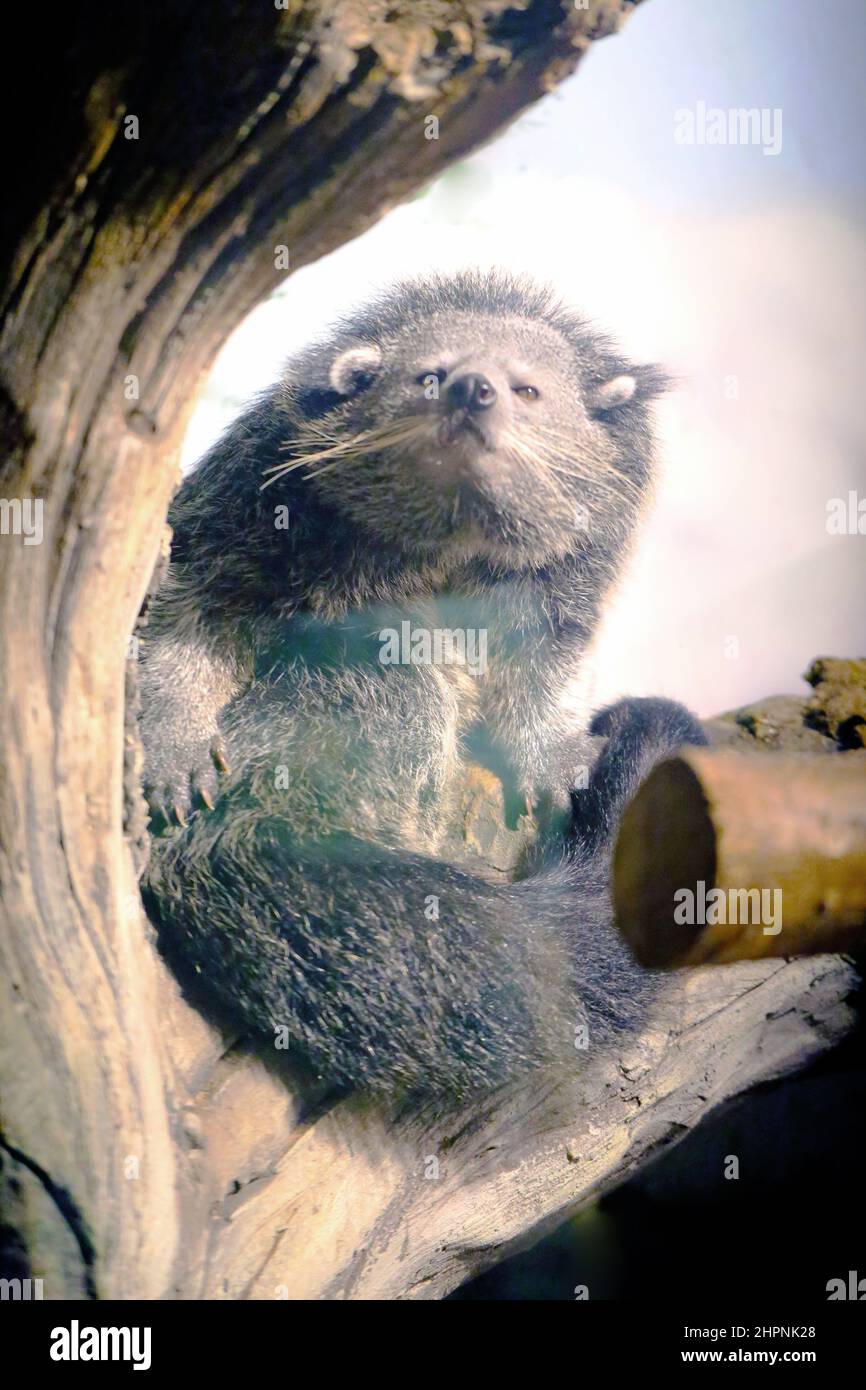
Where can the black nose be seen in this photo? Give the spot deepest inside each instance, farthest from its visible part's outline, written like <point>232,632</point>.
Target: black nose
<point>471,392</point>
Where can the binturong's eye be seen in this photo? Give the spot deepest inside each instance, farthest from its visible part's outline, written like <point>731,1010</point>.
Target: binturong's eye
<point>527,393</point>
<point>436,373</point>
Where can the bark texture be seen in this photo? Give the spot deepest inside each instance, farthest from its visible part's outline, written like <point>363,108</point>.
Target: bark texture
<point>168,152</point>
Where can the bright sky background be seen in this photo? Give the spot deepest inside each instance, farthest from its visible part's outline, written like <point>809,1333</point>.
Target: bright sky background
<point>718,261</point>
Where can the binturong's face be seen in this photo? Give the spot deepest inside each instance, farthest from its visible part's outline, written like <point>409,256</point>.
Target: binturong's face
<point>467,432</point>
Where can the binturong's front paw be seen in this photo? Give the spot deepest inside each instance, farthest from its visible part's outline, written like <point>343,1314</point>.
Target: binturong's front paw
<point>639,733</point>
<point>648,722</point>
<point>180,780</point>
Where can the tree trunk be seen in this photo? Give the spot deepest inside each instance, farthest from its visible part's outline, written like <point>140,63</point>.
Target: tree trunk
<point>169,152</point>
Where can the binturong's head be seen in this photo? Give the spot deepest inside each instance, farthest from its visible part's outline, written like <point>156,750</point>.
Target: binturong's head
<point>471,415</point>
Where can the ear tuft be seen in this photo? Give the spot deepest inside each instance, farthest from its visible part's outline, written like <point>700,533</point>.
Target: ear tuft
<point>611,394</point>
<point>640,383</point>
<point>354,367</point>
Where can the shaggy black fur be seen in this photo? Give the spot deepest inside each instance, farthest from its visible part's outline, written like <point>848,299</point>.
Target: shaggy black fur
<point>463,455</point>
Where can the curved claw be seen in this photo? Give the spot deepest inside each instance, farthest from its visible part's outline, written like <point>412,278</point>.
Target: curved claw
<point>218,755</point>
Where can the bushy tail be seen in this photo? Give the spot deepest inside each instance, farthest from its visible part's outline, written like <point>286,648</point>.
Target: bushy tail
<point>393,971</point>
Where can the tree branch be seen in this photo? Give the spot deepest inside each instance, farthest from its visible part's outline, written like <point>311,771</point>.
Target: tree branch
<point>173,148</point>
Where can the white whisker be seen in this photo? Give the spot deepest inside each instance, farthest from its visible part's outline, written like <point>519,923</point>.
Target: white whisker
<point>357,446</point>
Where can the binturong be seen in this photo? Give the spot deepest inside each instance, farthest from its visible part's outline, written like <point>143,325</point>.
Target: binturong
<point>463,457</point>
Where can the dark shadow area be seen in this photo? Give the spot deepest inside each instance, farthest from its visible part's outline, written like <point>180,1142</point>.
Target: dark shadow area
<point>682,1232</point>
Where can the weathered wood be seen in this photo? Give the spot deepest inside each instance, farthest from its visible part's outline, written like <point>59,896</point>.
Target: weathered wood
<point>358,1203</point>
<point>726,856</point>
<point>140,1158</point>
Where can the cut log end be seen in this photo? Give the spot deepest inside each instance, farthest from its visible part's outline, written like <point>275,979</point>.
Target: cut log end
<point>726,856</point>
<point>666,840</point>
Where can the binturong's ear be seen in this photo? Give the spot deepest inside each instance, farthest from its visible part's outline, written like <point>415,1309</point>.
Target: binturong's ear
<point>354,368</point>
<point>636,384</point>
<point>328,382</point>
